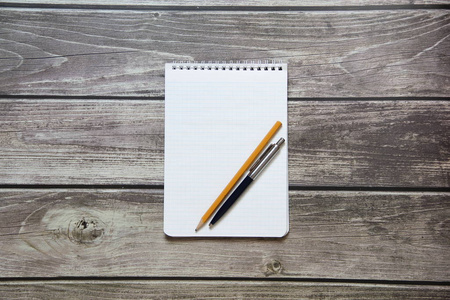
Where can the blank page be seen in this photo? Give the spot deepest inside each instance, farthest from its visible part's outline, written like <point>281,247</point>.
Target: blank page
<point>215,116</point>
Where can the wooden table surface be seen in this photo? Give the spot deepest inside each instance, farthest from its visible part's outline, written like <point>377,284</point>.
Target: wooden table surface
<point>82,149</point>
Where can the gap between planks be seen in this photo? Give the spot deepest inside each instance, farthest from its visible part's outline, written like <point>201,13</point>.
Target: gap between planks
<point>293,187</point>
<point>150,98</point>
<point>234,8</point>
<point>144,279</point>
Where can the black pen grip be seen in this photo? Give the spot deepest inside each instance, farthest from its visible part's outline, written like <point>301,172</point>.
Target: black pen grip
<point>230,201</point>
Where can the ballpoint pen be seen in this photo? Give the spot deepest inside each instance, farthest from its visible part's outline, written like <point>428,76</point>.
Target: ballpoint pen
<point>247,164</point>
<point>254,171</point>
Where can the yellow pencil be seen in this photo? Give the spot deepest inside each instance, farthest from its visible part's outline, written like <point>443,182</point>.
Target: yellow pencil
<point>239,174</point>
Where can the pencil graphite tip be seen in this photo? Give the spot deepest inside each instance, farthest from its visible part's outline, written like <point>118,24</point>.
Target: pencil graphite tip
<point>200,224</point>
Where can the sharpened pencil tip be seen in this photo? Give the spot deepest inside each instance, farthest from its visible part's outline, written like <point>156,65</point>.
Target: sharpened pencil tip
<point>200,224</point>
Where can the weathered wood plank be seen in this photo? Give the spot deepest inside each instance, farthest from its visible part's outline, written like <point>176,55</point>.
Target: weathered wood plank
<point>122,52</point>
<point>332,143</point>
<point>341,235</point>
<point>201,289</point>
<point>386,143</point>
<point>82,142</point>
<point>240,3</point>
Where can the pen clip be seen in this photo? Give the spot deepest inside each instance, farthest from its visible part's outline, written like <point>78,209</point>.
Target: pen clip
<point>261,158</point>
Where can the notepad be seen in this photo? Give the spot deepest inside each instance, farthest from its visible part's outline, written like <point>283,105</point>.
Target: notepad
<point>215,116</point>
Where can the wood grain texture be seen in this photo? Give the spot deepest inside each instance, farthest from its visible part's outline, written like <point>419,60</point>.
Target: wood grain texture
<point>226,3</point>
<point>122,52</point>
<point>331,143</point>
<point>340,235</point>
<point>82,142</point>
<point>200,289</point>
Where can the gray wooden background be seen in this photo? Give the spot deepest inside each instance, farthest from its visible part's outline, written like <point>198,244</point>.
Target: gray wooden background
<point>82,149</point>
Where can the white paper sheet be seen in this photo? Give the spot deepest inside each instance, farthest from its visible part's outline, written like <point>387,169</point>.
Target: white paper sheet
<point>214,119</point>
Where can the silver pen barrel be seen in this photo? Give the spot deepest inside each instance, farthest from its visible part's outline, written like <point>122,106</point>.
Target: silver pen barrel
<point>256,169</point>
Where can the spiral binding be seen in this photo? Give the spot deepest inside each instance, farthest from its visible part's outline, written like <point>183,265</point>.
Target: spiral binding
<point>236,66</point>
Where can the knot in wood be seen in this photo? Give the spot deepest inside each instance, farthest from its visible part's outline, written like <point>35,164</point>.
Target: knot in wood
<point>273,267</point>
<point>85,231</point>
